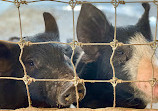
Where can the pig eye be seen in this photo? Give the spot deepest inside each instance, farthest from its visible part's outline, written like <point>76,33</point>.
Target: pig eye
<point>120,52</point>
<point>31,63</point>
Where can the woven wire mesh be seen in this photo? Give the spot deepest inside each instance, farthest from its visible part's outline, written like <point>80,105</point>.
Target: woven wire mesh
<point>114,44</point>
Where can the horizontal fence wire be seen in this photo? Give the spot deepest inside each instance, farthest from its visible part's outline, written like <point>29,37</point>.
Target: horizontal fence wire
<point>83,2</point>
<point>114,44</point>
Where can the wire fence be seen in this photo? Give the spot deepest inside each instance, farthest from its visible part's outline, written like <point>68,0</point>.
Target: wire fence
<point>114,44</point>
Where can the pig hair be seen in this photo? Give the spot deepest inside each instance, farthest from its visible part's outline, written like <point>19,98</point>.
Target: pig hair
<point>138,51</point>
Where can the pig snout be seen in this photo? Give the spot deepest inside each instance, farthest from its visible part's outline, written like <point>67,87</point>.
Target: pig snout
<point>68,94</point>
<point>143,67</point>
<point>146,69</point>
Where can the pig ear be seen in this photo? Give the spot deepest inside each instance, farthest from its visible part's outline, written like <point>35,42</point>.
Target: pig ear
<point>143,23</point>
<point>50,23</point>
<point>92,26</point>
<point>6,58</point>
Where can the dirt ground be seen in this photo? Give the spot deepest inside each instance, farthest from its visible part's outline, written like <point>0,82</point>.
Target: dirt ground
<point>80,109</point>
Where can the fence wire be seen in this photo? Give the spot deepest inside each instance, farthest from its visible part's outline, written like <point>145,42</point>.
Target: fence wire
<point>114,44</point>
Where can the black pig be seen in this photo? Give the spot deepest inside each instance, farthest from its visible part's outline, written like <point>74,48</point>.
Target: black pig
<point>46,61</point>
<point>130,62</point>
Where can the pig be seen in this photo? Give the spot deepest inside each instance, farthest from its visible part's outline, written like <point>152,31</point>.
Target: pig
<point>42,61</point>
<point>130,62</point>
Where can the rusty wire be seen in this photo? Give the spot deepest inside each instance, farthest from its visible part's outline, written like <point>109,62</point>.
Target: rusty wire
<point>114,44</point>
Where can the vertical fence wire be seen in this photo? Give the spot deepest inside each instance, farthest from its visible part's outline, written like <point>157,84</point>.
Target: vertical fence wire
<point>72,4</point>
<point>153,80</point>
<point>21,45</point>
<point>114,47</point>
<point>156,23</point>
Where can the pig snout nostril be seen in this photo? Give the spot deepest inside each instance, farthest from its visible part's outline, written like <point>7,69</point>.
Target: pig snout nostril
<point>68,96</point>
<point>80,91</point>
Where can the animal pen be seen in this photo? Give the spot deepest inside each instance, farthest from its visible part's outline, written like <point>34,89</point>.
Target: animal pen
<point>114,44</point>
